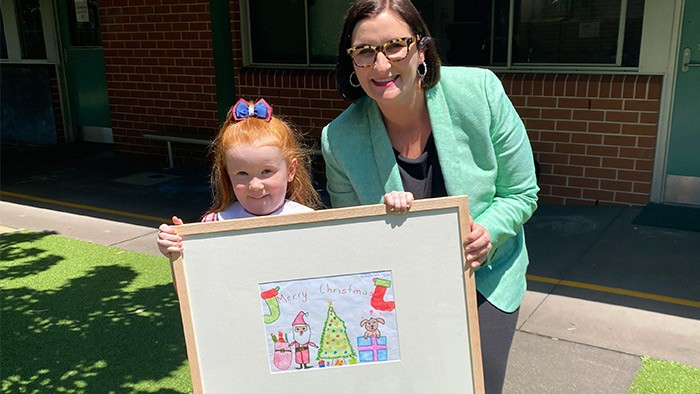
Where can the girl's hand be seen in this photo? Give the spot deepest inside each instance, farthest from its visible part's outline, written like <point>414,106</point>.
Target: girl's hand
<point>477,245</point>
<point>398,201</point>
<point>168,240</point>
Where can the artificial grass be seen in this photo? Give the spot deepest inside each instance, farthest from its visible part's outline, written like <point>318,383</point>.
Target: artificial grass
<point>79,317</point>
<point>661,377</point>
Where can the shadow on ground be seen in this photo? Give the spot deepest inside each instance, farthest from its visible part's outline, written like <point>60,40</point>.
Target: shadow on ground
<point>93,175</point>
<point>89,335</point>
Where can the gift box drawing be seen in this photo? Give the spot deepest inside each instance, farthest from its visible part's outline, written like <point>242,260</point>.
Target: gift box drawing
<point>372,349</point>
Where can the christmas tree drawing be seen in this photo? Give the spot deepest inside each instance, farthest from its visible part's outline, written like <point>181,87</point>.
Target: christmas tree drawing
<point>335,344</point>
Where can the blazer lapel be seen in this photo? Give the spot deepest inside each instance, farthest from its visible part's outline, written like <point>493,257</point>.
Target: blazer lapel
<point>450,155</point>
<point>388,175</point>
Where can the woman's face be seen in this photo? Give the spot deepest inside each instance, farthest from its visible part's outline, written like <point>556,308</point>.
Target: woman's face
<point>384,81</point>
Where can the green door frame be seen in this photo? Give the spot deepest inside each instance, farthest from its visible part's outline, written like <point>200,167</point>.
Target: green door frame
<point>223,56</point>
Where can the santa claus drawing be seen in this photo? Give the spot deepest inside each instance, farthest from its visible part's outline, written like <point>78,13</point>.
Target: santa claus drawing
<point>302,341</point>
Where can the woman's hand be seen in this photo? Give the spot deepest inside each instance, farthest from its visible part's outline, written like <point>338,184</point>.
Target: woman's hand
<point>477,245</point>
<point>398,201</point>
<point>168,240</point>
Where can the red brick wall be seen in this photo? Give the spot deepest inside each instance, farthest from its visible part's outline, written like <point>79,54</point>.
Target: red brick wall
<point>594,135</point>
<point>307,97</point>
<point>160,73</point>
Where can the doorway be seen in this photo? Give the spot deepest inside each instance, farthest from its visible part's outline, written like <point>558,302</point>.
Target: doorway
<point>682,181</point>
<point>84,69</point>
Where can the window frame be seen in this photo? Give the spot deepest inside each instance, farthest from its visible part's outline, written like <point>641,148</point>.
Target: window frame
<point>246,34</point>
<point>12,38</point>
<point>564,67</point>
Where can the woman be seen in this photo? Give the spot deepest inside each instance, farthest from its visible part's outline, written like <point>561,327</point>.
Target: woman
<point>416,130</point>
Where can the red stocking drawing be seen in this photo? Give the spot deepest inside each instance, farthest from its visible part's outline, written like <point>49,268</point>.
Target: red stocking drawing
<point>377,300</point>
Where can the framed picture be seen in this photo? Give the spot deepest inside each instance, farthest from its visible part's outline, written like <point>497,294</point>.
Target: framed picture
<point>338,300</point>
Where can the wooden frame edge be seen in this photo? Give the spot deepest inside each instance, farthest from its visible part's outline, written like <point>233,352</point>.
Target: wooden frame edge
<point>180,282</point>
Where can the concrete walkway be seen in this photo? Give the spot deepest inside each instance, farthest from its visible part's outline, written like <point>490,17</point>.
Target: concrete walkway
<point>602,292</point>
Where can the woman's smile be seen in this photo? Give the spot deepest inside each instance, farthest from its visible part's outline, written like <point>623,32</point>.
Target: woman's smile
<point>385,81</point>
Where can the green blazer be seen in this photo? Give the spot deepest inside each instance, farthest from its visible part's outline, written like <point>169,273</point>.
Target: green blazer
<point>484,153</point>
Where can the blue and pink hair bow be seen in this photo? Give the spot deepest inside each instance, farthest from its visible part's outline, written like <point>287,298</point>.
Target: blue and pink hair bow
<point>261,109</point>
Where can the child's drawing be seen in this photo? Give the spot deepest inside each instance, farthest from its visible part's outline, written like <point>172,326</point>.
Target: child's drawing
<point>372,349</point>
<point>302,341</point>
<point>270,297</point>
<point>335,344</point>
<point>345,319</point>
<point>378,301</point>
<point>372,327</point>
<point>283,352</point>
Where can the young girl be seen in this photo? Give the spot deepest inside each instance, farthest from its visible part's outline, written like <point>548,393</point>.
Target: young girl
<point>260,168</point>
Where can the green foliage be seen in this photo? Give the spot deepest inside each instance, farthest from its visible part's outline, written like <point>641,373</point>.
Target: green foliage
<point>661,377</point>
<point>78,317</point>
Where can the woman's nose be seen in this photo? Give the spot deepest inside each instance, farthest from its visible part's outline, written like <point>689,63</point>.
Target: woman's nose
<point>381,62</point>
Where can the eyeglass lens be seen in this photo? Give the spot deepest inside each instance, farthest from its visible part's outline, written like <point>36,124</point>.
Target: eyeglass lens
<point>394,50</point>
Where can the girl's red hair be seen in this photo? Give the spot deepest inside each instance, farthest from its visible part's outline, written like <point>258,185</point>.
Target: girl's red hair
<point>258,132</point>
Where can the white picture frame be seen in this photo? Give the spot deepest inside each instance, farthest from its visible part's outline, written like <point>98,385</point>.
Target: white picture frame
<point>218,279</point>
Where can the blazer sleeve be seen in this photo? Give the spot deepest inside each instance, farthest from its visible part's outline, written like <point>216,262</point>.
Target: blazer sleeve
<point>515,198</point>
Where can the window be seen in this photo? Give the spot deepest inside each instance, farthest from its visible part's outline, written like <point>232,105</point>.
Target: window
<point>294,32</point>
<point>31,32</point>
<point>500,33</point>
<point>27,31</point>
<point>539,32</point>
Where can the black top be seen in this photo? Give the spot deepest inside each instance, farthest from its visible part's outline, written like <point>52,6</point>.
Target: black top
<point>422,176</point>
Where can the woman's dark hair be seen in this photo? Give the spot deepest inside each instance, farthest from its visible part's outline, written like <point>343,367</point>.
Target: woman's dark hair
<point>364,9</point>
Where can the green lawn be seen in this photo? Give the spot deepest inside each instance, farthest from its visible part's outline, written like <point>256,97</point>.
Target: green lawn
<point>665,377</point>
<point>80,317</point>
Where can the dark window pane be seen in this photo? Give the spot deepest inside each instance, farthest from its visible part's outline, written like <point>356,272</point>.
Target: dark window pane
<point>84,23</point>
<point>500,32</point>
<point>31,32</point>
<point>325,23</point>
<point>566,31</point>
<point>469,35</point>
<point>278,33</point>
<point>633,33</point>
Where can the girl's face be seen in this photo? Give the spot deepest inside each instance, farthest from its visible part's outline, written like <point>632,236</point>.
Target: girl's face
<point>386,81</point>
<point>259,175</point>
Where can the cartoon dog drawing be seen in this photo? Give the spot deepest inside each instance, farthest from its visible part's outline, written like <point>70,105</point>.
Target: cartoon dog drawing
<point>372,326</point>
